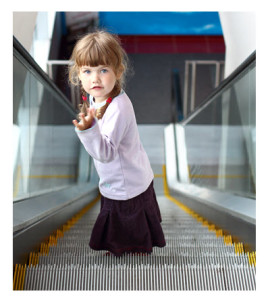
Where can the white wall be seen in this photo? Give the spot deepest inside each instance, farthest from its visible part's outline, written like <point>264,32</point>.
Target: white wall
<point>23,28</point>
<point>42,37</point>
<point>34,31</point>
<point>239,31</point>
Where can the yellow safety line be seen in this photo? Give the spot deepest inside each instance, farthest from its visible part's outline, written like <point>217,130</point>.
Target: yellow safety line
<point>15,276</point>
<point>158,175</point>
<point>49,176</point>
<point>228,240</point>
<point>20,270</point>
<point>19,176</point>
<point>217,176</point>
<point>233,176</point>
<point>17,181</point>
<point>19,277</point>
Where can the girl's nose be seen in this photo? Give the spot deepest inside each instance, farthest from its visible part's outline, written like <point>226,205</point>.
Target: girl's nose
<point>95,77</point>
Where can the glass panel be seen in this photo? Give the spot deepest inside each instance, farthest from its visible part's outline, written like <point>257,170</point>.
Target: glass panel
<point>21,121</point>
<point>46,148</point>
<point>221,138</point>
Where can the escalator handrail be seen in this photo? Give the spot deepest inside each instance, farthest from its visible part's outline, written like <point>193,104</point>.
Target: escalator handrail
<point>222,85</point>
<point>18,48</point>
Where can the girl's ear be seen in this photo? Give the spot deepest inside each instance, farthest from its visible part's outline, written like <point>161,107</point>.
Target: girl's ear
<point>79,74</point>
<point>120,72</point>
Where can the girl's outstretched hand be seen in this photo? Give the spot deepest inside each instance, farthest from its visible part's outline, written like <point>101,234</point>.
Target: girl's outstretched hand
<point>85,121</point>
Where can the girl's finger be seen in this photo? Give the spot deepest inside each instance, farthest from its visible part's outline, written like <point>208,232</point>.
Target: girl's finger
<point>83,117</point>
<point>91,110</point>
<point>76,124</point>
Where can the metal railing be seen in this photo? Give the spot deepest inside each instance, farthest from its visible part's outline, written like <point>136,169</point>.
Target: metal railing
<point>18,50</point>
<point>191,78</point>
<point>219,88</point>
<point>74,90</point>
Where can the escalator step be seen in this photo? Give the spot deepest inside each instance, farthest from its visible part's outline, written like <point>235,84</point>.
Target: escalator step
<point>195,258</point>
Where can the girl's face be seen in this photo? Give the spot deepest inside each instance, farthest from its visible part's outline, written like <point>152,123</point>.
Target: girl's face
<point>98,81</point>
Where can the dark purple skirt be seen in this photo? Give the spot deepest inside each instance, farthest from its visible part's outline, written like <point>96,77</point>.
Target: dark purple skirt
<point>128,226</point>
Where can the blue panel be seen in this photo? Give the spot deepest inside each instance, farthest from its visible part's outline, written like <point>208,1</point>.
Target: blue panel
<point>161,23</point>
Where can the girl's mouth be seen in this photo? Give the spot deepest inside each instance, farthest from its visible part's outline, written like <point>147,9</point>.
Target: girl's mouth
<point>96,87</point>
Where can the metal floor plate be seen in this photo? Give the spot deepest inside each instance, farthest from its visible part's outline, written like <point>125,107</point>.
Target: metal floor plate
<point>193,259</point>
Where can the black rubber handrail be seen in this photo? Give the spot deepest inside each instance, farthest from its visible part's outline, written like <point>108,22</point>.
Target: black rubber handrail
<point>32,64</point>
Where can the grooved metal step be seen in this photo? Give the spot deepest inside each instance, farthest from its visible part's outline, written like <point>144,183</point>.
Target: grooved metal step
<point>195,258</point>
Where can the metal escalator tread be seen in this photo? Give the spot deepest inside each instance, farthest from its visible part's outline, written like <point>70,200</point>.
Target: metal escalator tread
<point>194,258</point>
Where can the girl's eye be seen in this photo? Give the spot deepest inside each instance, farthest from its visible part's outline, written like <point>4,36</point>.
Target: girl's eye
<point>104,70</point>
<point>87,71</point>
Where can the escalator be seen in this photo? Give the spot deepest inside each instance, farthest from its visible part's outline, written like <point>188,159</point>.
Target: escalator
<point>197,257</point>
<point>51,249</point>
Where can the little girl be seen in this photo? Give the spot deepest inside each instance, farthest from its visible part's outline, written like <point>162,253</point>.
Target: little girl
<point>129,219</point>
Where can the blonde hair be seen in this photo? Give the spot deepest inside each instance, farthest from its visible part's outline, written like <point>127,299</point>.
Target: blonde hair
<point>94,49</point>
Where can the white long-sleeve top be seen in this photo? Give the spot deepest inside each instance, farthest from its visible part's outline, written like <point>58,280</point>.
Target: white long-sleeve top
<point>119,157</point>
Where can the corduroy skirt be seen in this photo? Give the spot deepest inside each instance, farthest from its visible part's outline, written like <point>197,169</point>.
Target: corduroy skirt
<point>128,226</point>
